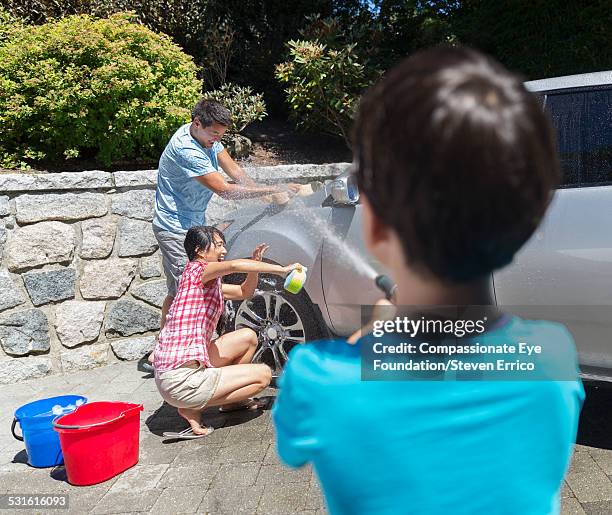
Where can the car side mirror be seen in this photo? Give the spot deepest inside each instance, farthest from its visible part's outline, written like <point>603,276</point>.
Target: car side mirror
<point>344,190</point>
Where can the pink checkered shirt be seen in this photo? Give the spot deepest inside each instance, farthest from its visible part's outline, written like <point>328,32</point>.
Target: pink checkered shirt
<point>191,320</point>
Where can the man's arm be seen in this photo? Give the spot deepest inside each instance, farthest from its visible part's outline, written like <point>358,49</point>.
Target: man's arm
<point>233,169</point>
<point>215,182</point>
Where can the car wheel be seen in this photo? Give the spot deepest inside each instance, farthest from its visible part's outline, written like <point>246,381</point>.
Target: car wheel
<point>280,319</point>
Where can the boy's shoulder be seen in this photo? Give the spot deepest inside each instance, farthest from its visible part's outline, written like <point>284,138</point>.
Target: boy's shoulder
<point>317,359</point>
<point>535,332</point>
<point>325,349</point>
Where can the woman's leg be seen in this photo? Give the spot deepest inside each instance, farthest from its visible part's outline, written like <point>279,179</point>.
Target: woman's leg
<point>238,383</point>
<point>233,348</point>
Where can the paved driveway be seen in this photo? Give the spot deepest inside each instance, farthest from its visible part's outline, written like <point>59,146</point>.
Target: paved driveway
<point>234,470</point>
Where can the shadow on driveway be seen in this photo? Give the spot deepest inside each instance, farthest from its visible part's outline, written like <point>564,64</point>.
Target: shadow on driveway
<point>595,428</point>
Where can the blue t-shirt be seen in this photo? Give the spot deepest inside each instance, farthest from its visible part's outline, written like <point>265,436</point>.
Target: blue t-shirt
<point>429,447</point>
<point>180,200</point>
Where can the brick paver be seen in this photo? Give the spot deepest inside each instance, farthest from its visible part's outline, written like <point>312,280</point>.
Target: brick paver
<point>235,469</point>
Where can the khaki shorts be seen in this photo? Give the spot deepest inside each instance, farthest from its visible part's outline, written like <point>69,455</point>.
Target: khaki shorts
<point>188,387</point>
<point>174,256</point>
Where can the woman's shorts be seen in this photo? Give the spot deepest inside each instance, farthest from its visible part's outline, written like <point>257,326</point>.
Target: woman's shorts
<point>187,387</point>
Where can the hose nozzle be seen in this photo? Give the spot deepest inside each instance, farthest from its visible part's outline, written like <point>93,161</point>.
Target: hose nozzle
<point>386,285</point>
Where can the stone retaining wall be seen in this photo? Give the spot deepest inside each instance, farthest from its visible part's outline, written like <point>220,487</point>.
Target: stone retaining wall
<point>81,282</point>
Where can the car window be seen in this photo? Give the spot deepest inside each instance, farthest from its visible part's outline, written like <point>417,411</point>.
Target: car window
<point>583,121</point>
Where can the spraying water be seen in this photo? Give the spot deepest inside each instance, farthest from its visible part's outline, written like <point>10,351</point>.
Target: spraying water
<point>346,252</point>
<point>314,222</point>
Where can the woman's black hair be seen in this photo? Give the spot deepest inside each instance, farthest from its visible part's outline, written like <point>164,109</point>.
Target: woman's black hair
<point>458,158</point>
<point>202,236</point>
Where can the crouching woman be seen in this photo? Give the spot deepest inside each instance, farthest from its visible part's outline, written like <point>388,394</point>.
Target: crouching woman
<point>193,371</point>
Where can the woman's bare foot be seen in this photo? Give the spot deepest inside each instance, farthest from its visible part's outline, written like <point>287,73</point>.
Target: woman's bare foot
<point>249,404</point>
<point>194,416</point>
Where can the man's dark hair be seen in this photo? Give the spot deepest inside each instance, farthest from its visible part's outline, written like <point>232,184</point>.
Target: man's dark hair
<point>211,111</point>
<point>202,236</point>
<point>457,157</point>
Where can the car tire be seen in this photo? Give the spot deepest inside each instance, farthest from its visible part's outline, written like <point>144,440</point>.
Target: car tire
<point>280,319</point>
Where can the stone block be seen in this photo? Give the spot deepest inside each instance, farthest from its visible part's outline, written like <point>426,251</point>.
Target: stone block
<point>150,266</point>
<point>39,244</point>
<point>127,317</point>
<point>136,238</point>
<point>24,332</point>
<point>135,178</point>
<point>11,294</point>
<point>5,208</point>
<point>133,348</point>
<point>134,204</point>
<point>107,279</point>
<point>15,370</point>
<point>60,206</point>
<point>3,231</point>
<point>297,173</point>
<point>152,292</point>
<point>98,238</point>
<point>90,179</point>
<point>219,208</point>
<point>84,358</point>
<point>78,322</point>
<point>50,285</point>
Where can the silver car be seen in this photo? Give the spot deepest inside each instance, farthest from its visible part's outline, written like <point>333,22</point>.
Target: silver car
<point>564,272</point>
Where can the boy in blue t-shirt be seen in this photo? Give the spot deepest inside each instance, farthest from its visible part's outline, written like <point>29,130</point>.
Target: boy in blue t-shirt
<point>456,164</point>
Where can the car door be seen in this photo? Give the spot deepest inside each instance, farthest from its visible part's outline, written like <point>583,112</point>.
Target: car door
<point>564,273</point>
<point>348,271</point>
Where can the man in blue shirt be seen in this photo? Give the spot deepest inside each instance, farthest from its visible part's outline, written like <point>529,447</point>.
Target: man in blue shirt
<point>189,174</point>
<point>456,164</point>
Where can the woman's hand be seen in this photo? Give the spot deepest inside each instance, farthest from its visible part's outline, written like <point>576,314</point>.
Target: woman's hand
<point>286,270</point>
<point>259,251</point>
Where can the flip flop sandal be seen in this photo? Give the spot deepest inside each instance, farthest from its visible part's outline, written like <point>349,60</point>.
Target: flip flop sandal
<point>252,405</point>
<point>187,434</point>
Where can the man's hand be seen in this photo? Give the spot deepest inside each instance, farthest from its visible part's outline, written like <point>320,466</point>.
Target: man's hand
<point>280,198</point>
<point>259,251</point>
<point>294,187</point>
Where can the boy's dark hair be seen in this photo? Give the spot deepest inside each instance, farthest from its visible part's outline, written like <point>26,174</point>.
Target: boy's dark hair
<point>211,111</point>
<point>202,236</point>
<point>457,157</point>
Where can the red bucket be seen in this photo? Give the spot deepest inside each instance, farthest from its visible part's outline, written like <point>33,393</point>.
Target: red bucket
<point>99,440</point>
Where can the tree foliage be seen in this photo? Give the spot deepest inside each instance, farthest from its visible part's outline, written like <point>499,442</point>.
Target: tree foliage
<point>108,89</point>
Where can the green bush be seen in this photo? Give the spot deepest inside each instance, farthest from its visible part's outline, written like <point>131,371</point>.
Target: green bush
<point>245,106</point>
<point>261,30</point>
<point>108,89</point>
<point>323,85</point>
<point>8,24</point>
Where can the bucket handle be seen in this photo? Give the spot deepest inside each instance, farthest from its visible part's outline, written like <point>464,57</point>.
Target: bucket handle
<point>13,425</point>
<point>121,415</point>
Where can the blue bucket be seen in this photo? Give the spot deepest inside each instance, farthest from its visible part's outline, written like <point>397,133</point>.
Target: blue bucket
<point>36,422</point>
